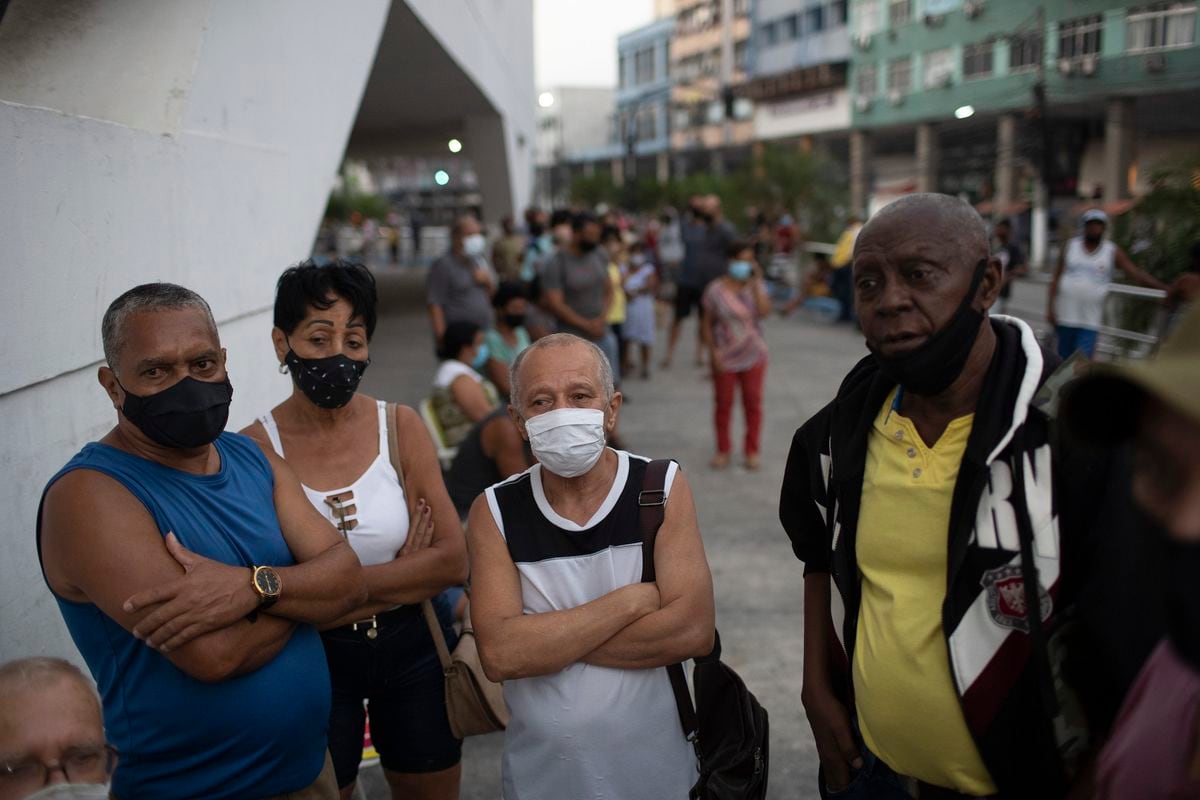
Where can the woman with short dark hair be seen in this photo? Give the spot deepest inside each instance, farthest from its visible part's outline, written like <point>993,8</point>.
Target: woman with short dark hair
<point>461,395</point>
<point>405,533</point>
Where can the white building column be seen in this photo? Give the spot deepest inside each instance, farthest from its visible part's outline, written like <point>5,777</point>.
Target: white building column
<point>1118,149</point>
<point>1006,165</point>
<point>860,171</point>
<point>927,157</point>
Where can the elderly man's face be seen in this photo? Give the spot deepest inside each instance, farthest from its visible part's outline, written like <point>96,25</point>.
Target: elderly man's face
<point>57,725</point>
<point>562,377</point>
<point>1166,477</point>
<point>910,276</point>
<point>163,347</point>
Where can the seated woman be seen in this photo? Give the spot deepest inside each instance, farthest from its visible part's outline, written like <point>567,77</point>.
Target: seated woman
<point>461,396</point>
<point>406,532</point>
<point>509,336</point>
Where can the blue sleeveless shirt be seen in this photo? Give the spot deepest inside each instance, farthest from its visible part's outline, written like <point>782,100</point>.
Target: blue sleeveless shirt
<point>257,735</point>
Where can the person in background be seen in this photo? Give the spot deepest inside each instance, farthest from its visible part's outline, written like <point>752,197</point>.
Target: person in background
<point>669,252</point>
<point>1185,289</point>
<point>816,293</point>
<point>51,729</point>
<point>461,395</point>
<point>193,573</point>
<point>508,251</point>
<point>461,283</point>
<point>508,336</point>
<point>406,535</point>
<point>492,452</point>
<point>1153,752</point>
<point>614,247</point>
<point>578,288</point>
<point>641,287</point>
<point>841,282</point>
<point>546,236</point>
<point>706,241</point>
<point>1012,260</point>
<point>560,610</point>
<point>1085,269</point>
<point>734,307</point>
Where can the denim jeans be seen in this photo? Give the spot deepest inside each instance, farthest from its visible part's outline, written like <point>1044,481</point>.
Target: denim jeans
<point>875,781</point>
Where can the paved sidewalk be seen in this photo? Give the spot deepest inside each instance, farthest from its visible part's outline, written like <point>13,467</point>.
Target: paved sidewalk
<point>758,582</point>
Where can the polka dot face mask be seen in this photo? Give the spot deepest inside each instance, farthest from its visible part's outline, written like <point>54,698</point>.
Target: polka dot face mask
<point>328,382</point>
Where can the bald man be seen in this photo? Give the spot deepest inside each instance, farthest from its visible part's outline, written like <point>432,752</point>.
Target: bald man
<point>461,282</point>
<point>51,728</point>
<point>932,508</point>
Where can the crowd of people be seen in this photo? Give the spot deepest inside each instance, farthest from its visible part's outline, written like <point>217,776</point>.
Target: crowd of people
<point>999,555</point>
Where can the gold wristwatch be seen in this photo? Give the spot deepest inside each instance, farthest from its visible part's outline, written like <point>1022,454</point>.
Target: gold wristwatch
<point>266,585</point>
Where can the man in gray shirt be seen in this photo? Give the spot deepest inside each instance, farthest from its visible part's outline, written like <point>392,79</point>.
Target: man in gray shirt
<point>706,240</point>
<point>461,283</point>
<point>575,282</point>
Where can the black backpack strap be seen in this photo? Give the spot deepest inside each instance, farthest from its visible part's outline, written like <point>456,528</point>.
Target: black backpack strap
<point>652,502</point>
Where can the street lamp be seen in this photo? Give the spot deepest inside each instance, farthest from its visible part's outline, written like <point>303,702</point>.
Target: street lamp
<point>963,112</point>
<point>455,146</point>
<point>441,177</point>
<point>545,99</point>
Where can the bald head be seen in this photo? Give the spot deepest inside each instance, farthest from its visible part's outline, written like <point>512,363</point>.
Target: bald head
<point>27,674</point>
<point>47,708</point>
<point>938,218</point>
<point>581,351</point>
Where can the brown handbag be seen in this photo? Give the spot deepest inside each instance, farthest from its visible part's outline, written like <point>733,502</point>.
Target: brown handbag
<point>474,704</point>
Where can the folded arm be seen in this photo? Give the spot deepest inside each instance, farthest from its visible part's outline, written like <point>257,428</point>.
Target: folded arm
<point>683,626</point>
<point>513,644</point>
<point>100,545</point>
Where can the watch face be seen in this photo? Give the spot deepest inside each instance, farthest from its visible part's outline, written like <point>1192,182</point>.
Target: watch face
<point>267,581</point>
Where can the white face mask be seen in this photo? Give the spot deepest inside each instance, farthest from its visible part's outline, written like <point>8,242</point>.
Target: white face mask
<point>474,245</point>
<point>567,441</point>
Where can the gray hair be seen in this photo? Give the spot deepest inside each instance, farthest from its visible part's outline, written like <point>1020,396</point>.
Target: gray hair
<point>956,217</point>
<point>38,672</point>
<point>604,371</point>
<point>147,297</point>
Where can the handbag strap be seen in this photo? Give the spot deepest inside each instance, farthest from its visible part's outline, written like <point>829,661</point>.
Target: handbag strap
<point>652,501</point>
<point>435,627</point>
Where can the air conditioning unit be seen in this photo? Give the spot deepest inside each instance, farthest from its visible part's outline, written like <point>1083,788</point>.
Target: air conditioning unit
<point>862,103</point>
<point>1087,66</point>
<point>973,8</point>
<point>862,41</point>
<point>1066,66</point>
<point>1156,63</point>
<point>896,97</point>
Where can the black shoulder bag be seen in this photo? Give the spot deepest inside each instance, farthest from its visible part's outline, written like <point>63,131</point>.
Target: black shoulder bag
<point>727,725</point>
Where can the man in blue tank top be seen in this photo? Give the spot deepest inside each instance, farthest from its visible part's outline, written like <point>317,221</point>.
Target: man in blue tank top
<point>190,570</point>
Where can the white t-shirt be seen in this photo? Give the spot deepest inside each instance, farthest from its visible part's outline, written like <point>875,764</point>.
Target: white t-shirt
<point>450,370</point>
<point>1084,284</point>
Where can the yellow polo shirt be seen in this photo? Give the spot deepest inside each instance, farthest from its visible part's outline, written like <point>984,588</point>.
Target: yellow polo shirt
<point>907,705</point>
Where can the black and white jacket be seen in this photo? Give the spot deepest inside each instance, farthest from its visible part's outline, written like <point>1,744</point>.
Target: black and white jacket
<point>1022,507</point>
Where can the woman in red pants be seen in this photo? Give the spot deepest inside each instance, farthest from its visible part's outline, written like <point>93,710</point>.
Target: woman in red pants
<point>734,306</point>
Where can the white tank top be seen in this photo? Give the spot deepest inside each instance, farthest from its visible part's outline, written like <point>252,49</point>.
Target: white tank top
<point>374,516</point>
<point>1084,283</point>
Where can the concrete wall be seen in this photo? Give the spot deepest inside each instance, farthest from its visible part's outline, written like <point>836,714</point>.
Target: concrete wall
<point>191,142</point>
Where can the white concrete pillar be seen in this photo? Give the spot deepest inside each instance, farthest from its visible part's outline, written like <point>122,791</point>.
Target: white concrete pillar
<point>1039,231</point>
<point>1006,165</point>
<point>1118,150</point>
<point>489,156</point>
<point>860,171</point>
<point>927,157</point>
<point>617,167</point>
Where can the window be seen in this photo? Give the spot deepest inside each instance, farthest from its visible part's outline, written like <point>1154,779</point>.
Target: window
<point>899,12</point>
<point>866,82</point>
<point>647,120</point>
<point>791,28</point>
<point>977,59</point>
<point>770,33</point>
<point>1162,26</point>
<point>623,74</point>
<point>1080,37</point>
<point>643,66</point>
<point>870,17</point>
<point>741,55</point>
<point>938,67</point>
<point>741,8</point>
<point>837,13</point>
<point>816,19</point>
<point>1025,51</point>
<point>899,76</point>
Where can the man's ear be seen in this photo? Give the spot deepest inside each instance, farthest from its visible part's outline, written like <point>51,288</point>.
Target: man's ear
<point>614,411</point>
<point>993,279</point>
<point>108,379</point>
<point>520,423</point>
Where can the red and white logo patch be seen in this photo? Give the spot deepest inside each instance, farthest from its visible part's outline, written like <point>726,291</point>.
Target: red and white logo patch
<point>1005,588</point>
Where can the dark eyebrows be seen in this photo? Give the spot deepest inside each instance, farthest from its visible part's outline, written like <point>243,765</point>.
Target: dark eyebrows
<point>354,323</point>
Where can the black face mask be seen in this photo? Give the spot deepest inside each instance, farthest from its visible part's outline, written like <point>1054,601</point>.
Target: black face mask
<point>514,320</point>
<point>328,382</point>
<point>587,245</point>
<point>189,414</point>
<point>536,229</point>
<point>1092,240</point>
<point>932,367</point>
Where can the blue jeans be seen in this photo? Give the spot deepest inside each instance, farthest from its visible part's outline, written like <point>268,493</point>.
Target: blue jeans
<point>1071,339</point>
<point>875,781</point>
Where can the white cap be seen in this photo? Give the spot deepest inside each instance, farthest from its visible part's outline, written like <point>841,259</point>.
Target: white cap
<point>1093,215</point>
